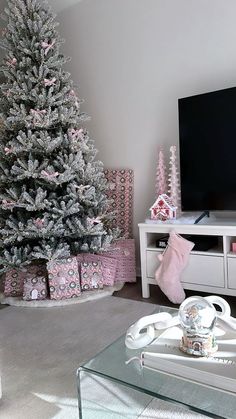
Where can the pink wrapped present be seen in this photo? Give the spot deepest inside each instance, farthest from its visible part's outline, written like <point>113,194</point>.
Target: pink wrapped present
<point>63,277</point>
<point>109,266</point>
<point>124,252</point>
<point>14,281</point>
<point>121,191</point>
<point>35,283</point>
<point>91,275</point>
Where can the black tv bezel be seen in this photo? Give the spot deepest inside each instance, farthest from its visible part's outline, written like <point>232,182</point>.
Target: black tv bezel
<point>202,208</point>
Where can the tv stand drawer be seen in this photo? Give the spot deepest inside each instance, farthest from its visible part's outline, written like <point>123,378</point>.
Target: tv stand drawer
<point>201,269</point>
<point>232,273</point>
<point>204,270</point>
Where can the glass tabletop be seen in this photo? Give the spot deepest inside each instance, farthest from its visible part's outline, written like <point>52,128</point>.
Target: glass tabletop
<point>111,364</point>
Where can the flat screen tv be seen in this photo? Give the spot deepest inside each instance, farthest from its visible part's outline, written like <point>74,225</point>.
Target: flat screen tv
<point>207,134</point>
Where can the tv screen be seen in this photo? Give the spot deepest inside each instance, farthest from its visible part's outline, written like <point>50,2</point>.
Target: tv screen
<point>207,134</point>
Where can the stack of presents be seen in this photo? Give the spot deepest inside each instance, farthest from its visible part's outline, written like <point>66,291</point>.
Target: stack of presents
<point>67,278</point>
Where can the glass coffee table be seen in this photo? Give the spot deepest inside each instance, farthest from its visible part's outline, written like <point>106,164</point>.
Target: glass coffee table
<point>110,364</point>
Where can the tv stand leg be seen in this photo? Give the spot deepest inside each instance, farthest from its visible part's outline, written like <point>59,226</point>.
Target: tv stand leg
<point>145,289</point>
<point>204,214</point>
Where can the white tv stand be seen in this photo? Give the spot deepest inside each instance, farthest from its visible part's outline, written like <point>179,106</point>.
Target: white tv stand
<point>212,271</point>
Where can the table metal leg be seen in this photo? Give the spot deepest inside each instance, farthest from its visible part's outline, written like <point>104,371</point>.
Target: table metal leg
<point>79,370</point>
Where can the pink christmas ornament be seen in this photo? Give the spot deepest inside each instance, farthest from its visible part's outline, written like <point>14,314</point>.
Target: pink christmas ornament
<point>46,46</point>
<point>50,82</point>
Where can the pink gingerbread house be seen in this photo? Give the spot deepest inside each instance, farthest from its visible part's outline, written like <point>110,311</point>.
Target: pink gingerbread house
<point>163,208</point>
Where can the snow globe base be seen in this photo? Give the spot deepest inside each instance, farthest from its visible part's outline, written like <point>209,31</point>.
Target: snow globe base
<point>197,318</point>
<point>198,344</point>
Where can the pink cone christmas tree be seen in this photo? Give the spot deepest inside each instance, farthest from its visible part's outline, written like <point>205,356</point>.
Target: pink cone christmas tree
<point>161,181</point>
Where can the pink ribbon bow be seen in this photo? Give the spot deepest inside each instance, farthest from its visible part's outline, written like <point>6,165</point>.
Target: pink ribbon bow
<point>94,220</point>
<point>37,114</point>
<point>39,222</point>
<point>8,150</point>
<point>49,175</point>
<point>46,46</point>
<point>76,133</point>
<point>7,203</point>
<point>12,62</point>
<point>72,93</point>
<point>50,82</point>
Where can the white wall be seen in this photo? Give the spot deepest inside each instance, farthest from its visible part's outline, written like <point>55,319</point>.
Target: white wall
<point>133,59</point>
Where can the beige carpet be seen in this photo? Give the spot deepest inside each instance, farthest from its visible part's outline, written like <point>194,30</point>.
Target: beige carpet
<point>42,348</point>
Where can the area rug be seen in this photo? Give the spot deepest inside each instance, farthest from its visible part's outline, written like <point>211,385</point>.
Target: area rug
<point>42,349</point>
<point>84,297</point>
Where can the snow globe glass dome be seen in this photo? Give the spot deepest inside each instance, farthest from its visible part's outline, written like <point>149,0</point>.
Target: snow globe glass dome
<point>198,317</point>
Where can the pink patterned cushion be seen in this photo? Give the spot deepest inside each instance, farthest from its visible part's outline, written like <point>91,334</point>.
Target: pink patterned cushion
<point>63,277</point>
<point>35,283</point>
<point>14,281</point>
<point>91,275</point>
<point>109,266</point>
<point>124,252</point>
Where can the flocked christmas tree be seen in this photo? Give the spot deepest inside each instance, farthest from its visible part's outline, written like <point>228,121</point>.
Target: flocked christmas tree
<point>52,189</point>
<point>174,184</point>
<point>161,182</point>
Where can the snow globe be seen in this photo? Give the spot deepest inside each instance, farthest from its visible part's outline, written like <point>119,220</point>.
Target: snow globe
<point>198,317</point>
